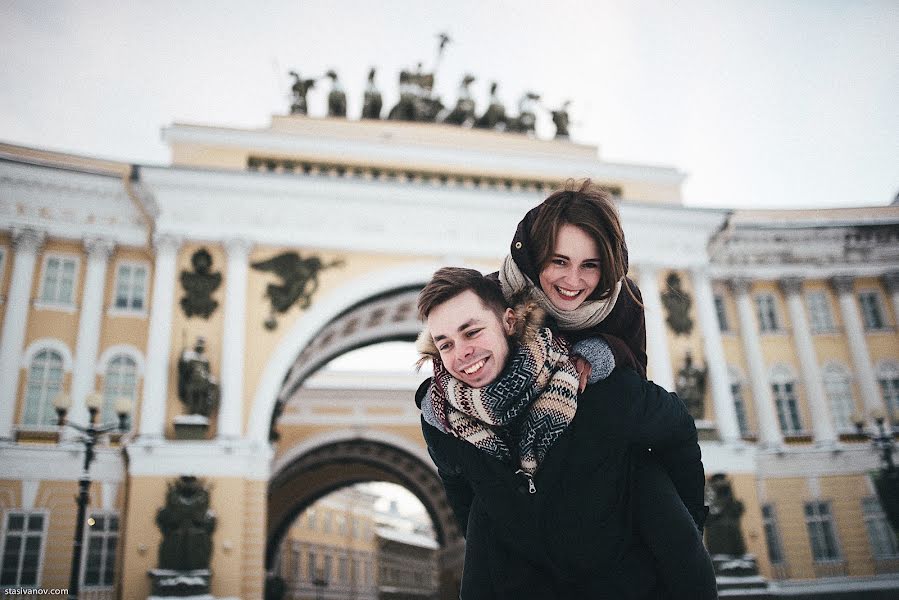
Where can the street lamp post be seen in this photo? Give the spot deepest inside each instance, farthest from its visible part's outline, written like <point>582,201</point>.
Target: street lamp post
<point>887,482</point>
<point>90,433</point>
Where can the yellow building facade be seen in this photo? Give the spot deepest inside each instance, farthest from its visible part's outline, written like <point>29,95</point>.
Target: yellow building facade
<point>319,233</point>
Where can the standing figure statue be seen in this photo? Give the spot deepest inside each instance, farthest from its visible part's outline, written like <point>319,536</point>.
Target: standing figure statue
<point>722,527</point>
<point>336,97</point>
<point>371,102</point>
<point>463,113</point>
<point>298,92</point>
<point>198,389</point>
<point>560,119</point>
<point>526,121</point>
<point>495,115</point>
<point>690,386</point>
<point>186,524</point>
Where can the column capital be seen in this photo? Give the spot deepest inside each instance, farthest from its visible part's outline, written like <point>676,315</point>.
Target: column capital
<point>167,241</point>
<point>740,285</point>
<point>791,286</point>
<point>98,247</point>
<point>26,239</point>
<point>842,284</point>
<point>891,281</point>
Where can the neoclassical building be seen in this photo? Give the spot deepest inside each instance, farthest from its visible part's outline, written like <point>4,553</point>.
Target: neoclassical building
<point>287,246</point>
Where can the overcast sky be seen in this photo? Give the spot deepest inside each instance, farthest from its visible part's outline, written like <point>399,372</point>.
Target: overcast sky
<point>768,103</point>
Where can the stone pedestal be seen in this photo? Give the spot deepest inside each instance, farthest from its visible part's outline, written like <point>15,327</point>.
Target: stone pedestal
<point>191,427</point>
<point>169,583</point>
<point>738,574</point>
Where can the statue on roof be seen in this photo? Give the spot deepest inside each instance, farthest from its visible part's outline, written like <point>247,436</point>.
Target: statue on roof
<point>526,121</point>
<point>298,93</point>
<point>336,97</point>
<point>463,113</point>
<point>417,103</point>
<point>560,119</point>
<point>371,101</point>
<point>495,115</point>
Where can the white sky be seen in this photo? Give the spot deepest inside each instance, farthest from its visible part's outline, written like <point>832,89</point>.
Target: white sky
<point>764,103</point>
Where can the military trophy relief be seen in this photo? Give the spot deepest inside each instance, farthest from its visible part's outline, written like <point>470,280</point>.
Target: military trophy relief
<point>419,103</point>
<point>199,286</point>
<point>186,524</point>
<point>298,282</point>
<point>198,391</point>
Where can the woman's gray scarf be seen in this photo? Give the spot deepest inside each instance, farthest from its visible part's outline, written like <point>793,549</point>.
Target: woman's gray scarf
<point>529,405</point>
<point>587,315</point>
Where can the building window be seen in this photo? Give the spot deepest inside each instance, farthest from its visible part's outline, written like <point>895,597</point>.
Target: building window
<point>872,311</point>
<point>326,522</point>
<point>326,569</point>
<point>819,312</point>
<point>784,390</point>
<point>821,533</point>
<point>888,378</point>
<point>23,542</point>
<point>58,281</point>
<point>131,287</point>
<point>343,572</point>
<point>310,518</point>
<point>44,383</point>
<point>839,395</point>
<point>772,535</point>
<point>721,312</point>
<point>102,542</point>
<point>736,392</point>
<point>767,312</point>
<point>311,567</point>
<point>120,382</point>
<point>341,524</point>
<point>880,534</point>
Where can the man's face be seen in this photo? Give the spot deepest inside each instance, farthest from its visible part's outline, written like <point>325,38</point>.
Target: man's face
<point>472,340</point>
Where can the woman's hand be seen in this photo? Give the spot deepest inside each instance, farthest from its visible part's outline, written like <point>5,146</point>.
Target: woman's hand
<point>583,368</point>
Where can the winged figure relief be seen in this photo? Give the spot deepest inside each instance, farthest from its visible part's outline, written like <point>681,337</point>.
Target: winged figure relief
<point>299,281</point>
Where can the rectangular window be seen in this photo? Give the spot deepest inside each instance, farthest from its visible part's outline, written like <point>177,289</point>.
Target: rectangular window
<point>131,287</point>
<point>880,534</point>
<point>312,568</point>
<point>343,572</point>
<point>767,312</point>
<point>101,544</point>
<point>23,540</point>
<point>341,524</point>
<point>772,535</point>
<point>736,391</point>
<point>842,407</point>
<point>820,315</point>
<point>326,522</point>
<point>310,518</point>
<point>821,532</point>
<point>58,280</point>
<point>872,311</point>
<point>889,389</point>
<point>326,569</point>
<point>721,311</point>
<point>787,407</point>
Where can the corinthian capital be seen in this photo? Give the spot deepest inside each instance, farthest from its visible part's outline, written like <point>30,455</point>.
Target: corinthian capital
<point>740,285</point>
<point>25,239</point>
<point>99,247</point>
<point>891,281</point>
<point>791,286</point>
<point>842,284</point>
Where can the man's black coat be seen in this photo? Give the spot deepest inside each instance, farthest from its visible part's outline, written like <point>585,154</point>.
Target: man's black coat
<point>575,536</point>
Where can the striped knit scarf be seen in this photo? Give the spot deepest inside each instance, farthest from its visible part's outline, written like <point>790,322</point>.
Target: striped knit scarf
<point>529,405</point>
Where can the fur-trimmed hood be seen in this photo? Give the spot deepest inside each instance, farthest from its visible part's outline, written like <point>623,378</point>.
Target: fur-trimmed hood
<point>529,317</point>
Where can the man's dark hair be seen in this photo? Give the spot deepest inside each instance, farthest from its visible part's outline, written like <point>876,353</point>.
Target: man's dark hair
<point>449,282</point>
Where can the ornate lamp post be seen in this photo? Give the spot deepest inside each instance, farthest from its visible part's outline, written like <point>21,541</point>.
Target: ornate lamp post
<point>887,481</point>
<point>89,438</point>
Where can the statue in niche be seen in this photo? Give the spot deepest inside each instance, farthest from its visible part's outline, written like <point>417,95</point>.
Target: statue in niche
<point>336,97</point>
<point>186,524</point>
<point>198,389</point>
<point>199,286</point>
<point>495,115</point>
<point>298,93</point>
<point>560,119</point>
<point>526,121</point>
<point>299,281</point>
<point>371,101</point>
<point>463,113</point>
<point>690,386</point>
<point>677,304</point>
<point>722,526</point>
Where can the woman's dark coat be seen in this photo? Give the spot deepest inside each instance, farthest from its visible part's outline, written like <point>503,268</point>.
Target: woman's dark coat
<point>575,537</point>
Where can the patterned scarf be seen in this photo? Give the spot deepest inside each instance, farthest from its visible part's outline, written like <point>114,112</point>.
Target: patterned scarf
<point>585,316</point>
<point>530,404</point>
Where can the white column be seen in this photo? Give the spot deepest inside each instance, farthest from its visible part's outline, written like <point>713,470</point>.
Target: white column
<point>152,414</point>
<point>891,283</point>
<point>657,354</point>
<point>819,405</point>
<point>26,243</point>
<point>725,413</point>
<point>91,314</point>
<point>230,417</point>
<point>770,435</point>
<point>858,347</point>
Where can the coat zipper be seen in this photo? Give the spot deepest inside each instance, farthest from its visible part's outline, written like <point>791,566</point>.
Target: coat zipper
<point>531,487</point>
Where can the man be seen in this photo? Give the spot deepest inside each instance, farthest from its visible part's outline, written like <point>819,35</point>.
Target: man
<point>548,486</point>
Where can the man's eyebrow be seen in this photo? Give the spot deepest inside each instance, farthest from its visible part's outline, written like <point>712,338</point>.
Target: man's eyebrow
<point>462,327</point>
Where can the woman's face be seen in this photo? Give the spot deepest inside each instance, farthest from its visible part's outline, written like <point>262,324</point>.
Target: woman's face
<point>572,272</point>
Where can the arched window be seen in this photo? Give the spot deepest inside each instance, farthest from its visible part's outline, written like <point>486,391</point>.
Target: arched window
<point>119,381</point>
<point>888,377</point>
<point>839,395</point>
<point>44,383</point>
<point>737,392</point>
<point>783,386</point>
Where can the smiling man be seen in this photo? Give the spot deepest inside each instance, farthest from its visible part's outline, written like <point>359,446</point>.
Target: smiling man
<point>542,481</point>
